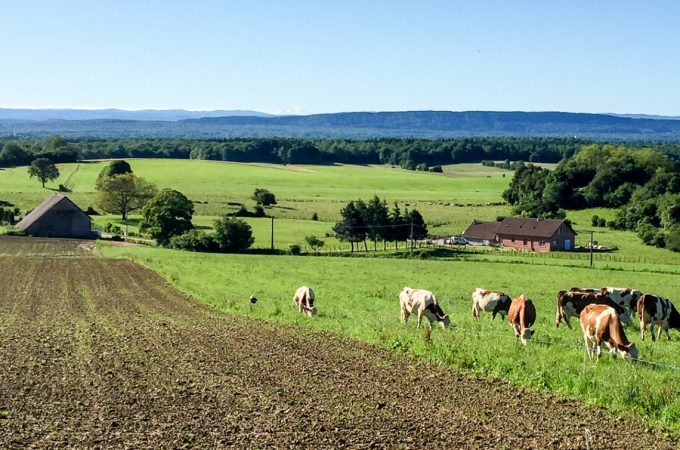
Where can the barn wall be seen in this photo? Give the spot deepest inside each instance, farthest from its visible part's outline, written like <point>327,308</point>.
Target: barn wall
<point>532,244</point>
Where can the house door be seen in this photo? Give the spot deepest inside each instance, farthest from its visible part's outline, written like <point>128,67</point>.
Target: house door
<point>567,244</point>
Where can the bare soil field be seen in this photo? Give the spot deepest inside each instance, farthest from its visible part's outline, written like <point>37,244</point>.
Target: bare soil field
<point>33,246</point>
<point>104,353</point>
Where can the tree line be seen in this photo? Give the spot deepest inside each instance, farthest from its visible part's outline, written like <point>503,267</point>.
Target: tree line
<point>642,183</point>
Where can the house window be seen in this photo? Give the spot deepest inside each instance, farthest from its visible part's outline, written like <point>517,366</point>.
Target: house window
<point>555,244</point>
<point>512,240</point>
<point>541,243</point>
<point>525,242</point>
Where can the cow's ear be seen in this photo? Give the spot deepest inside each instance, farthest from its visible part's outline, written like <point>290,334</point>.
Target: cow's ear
<point>532,332</point>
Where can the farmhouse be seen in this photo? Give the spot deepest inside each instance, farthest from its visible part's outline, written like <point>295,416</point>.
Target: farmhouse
<point>57,216</point>
<point>523,233</point>
<point>481,233</point>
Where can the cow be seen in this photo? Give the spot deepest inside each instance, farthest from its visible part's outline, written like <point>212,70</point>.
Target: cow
<point>522,316</point>
<point>571,303</point>
<point>304,299</point>
<point>601,325</point>
<point>624,297</point>
<point>653,310</point>
<point>421,302</point>
<point>490,301</point>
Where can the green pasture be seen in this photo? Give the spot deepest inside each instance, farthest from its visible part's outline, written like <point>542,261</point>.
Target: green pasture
<point>448,201</point>
<point>358,297</point>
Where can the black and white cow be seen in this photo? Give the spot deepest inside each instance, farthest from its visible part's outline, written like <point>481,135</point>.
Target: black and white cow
<point>653,310</point>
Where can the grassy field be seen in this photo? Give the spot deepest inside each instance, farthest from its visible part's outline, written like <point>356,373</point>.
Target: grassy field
<point>357,297</point>
<point>303,190</point>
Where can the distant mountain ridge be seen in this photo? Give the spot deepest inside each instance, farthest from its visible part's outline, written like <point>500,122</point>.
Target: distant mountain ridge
<point>118,114</point>
<point>417,124</point>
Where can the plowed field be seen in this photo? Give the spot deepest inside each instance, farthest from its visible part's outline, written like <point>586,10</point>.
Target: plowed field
<point>100,353</point>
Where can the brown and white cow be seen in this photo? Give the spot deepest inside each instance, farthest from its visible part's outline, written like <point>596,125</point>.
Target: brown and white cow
<point>304,299</point>
<point>653,310</point>
<point>571,303</point>
<point>522,316</point>
<point>624,297</point>
<point>490,301</point>
<point>422,303</point>
<point>601,325</point>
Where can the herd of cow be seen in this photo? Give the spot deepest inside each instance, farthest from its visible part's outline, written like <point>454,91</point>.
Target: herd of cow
<point>601,312</point>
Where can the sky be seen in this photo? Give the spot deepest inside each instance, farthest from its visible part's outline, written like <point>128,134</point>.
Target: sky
<point>318,56</point>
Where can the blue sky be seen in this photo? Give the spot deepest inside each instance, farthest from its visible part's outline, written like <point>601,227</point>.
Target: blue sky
<point>318,56</point>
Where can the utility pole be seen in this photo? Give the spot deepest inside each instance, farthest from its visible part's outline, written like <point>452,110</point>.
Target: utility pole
<point>272,234</point>
<point>412,243</point>
<point>591,248</point>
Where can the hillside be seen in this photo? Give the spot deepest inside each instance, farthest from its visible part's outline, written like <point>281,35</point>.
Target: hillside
<point>429,124</point>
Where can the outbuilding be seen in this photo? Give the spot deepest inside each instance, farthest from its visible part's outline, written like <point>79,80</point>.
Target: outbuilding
<point>57,216</point>
<point>524,233</point>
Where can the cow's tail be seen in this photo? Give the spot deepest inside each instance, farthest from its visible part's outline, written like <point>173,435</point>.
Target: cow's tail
<point>641,306</point>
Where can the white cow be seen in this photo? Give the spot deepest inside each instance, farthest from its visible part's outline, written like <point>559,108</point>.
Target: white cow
<point>490,301</point>
<point>421,302</point>
<point>304,298</point>
<point>626,298</point>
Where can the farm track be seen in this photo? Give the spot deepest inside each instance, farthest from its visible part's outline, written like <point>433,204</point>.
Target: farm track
<point>102,353</point>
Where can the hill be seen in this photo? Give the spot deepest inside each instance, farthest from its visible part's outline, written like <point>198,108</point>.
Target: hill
<point>423,124</point>
<point>8,114</point>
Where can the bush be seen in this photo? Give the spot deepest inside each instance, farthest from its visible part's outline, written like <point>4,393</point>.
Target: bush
<point>295,249</point>
<point>194,240</point>
<point>438,169</point>
<point>233,235</point>
<point>315,216</point>
<point>264,197</point>
<point>63,188</point>
<point>259,211</point>
<point>314,242</point>
<point>595,221</point>
<point>112,228</point>
<point>90,211</point>
<point>422,167</point>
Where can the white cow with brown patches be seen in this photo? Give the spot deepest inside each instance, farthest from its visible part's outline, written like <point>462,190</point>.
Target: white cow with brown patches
<point>494,302</point>
<point>304,299</point>
<point>422,303</point>
<point>601,326</point>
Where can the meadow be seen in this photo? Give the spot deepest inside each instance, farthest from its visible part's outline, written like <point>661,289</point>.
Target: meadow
<point>358,297</point>
<point>304,190</point>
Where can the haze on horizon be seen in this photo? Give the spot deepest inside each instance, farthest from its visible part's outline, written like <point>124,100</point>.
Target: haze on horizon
<point>306,57</point>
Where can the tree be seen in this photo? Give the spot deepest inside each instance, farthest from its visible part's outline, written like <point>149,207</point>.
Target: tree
<point>117,167</point>
<point>44,170</point>
<point>233,235</point>
<point>351,226</point>
<point>399,229</point>
<point>124,193</point>
<point>166,215</point>
<point>419,226</point>
<point>13,154</point>
<point>314,242</point>
<point>376,217</point>
<point>264,197</point>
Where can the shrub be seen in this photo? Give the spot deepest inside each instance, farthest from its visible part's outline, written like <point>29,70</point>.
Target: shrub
<point>63,188</point>
<point>595,221</point>
<point>194,240</point>
<point>422,167</point>
<point>90,211</point>
<point>314,242</point>
<point>264,197</point>
<point>315,216</point>
<point>233,235</point>
<point>295,249</point>
<point>259,211</point>
<point>436,169</point>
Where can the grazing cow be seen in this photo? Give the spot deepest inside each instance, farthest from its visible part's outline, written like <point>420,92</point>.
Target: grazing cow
<point>522,316</point>
<point>626,298</point>
<point>421,302</point>
<point>660,311</point>
<point>304,298</point>
<point>490,301</point>
<point>571,303</point>
<point>601,325</point>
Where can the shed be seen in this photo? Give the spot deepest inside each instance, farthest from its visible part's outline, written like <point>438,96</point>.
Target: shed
<point>57,216</point>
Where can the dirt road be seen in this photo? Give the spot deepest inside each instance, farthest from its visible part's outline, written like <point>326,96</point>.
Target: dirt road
<point>100,353</point>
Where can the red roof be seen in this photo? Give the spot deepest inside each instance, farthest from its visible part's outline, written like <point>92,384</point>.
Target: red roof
<point>530,227</point>
<point>481,230</point>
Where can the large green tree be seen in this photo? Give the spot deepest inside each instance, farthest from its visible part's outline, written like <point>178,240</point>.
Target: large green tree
<point>351,226</point>
<point>44,170</point>
<point>167,214</point>
<point>124,193</point>
<point>117,167</point>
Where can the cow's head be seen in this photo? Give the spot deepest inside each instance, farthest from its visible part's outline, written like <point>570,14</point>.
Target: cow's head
<point>629,351</point>
<point>526,336</point>
<point>435,313</point>
<point>311,312</point>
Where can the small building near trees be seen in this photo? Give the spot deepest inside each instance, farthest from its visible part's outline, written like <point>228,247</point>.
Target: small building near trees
<point>524,233</point>
<point>57,216</point>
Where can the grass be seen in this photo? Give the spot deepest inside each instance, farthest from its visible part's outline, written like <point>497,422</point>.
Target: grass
<point>357,297</point>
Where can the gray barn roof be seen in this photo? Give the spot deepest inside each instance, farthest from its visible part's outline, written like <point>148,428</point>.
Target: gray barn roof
<point>49,203</point>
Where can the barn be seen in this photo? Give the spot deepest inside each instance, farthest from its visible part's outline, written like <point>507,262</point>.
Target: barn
<point>57,216</point>
<point>524,233</point>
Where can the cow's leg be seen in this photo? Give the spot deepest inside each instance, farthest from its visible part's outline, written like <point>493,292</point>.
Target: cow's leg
<point>475,312</point>
<point>658,335</point>
<point>420,317</point>
<point>404,316</point>
<point>665,328</point>
<point>651,330</point>
<point>589,346</point>
<point>643,326</point>
<point>558,317</point>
